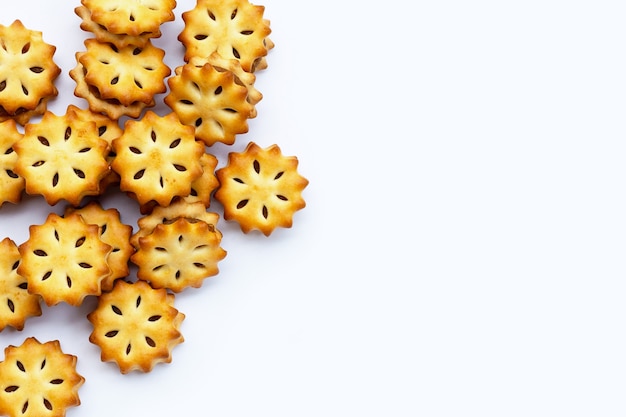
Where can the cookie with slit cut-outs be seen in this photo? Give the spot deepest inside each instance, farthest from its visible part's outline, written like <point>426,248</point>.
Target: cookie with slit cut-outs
<point>236,29</point>
<point>130,17</point>
<point>62,158</point>
<point>157,158</point>
<point>108,129</point>
<point>179,254</point>
<point>103,35</point>
<point>64,260</point>
<point>201,189</point>
<point>27,72</point>
<point>38,379</point>
<point>16,304</point>
<point>112,108</point>
<point>241,76</point>
<point>260,188</point>
<point>11,184</point>
<point>136,326</point>
<point>112,232</point>
<point>211,99</point>
<point>128,74</point>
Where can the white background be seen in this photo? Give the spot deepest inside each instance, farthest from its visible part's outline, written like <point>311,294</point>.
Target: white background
<point>462,248</point>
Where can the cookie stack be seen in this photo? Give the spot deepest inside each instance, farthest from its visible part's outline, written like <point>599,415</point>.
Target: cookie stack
<point>121,70</point>
<point>225,43</point>
<point>160,161</point>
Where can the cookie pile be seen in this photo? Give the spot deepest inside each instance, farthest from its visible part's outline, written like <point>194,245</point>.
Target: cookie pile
<point>28,73</point>
<point>161,162</point>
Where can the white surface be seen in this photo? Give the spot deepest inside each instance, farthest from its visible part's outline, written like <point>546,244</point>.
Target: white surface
<point>462,251</point>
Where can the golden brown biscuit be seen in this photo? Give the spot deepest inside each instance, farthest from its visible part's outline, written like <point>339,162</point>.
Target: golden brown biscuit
<point>62,158</point>
<point>16,304</point>
<point>38,379</point>
<point>64,260</point>
<point>131,17</point>
<point>112,108</point>
<point>136,326</point>
<point>129,74</point>
<point>212,100</point>
<point>157,158</point>
<point>201,189</point>
<point>103,35</point>
<point>180,208</point>
<point>178,255</point>
<point>260,188</point>
<point>235,29</point>
<point>27,71</point>
<point>242,77</point>
<point>11,184</point>
<point>108,129</point>
<point>112,232</point>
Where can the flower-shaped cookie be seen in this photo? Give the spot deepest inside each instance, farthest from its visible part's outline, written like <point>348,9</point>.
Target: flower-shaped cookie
<point>233,28</point>
<point>112,232</point>
<point>131,17</point>
<point>260,188</point>
<point>157,158</point>
<point>136,326</point>
<point>27,70</point>
<point>64,259</point>
<point>38,379</point>
<point>179,255</point>
<point>62,158</point>
<point>110,107</point>
<point>16,304</point>
<point>212,99</point>
<point>242,77</point>
<point>11,184</point>
<point>201,188</point>
<point>103,35</point>
<point>129,74</point>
